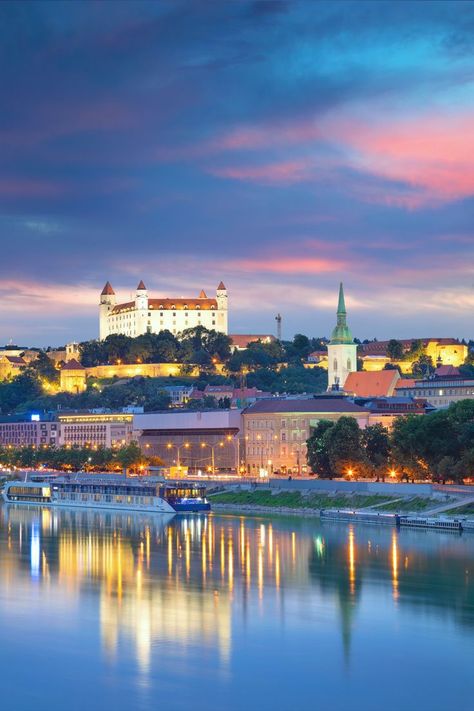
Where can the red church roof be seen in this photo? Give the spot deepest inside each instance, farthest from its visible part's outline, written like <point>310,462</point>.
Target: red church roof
<point>380,383</point>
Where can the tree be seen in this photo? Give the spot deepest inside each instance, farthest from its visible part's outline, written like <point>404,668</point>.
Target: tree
<point>344,447</point>
<point>395,349</point>
<point>423,367</point>
<point>376,444</point>
<point>317,450</point>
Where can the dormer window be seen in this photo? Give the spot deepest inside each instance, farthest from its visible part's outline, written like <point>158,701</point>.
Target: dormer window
<point>185,307</point>
<point>161,306</point>
<point>173,307</point>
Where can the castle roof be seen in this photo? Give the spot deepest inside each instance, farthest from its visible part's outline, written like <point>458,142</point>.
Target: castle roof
<point>341,333</point>
<point>107,290</point>
<point>73,364</point>
<point>141,286</point>
<point>170,305</point>
<point>221,286</point>
<point>202,294</point>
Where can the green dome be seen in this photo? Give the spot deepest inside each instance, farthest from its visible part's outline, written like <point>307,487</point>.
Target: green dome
<point>341,333</point>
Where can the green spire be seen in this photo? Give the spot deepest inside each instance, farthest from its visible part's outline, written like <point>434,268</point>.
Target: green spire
<point>341,333</point>
<point>341,306</point>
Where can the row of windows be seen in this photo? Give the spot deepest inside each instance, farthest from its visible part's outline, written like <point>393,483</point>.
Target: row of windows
<point>267,424</point>
<point>270,451</point>
<point>108,498</point>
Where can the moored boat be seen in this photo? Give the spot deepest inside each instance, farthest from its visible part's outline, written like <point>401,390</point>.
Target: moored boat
<point>110,491</point>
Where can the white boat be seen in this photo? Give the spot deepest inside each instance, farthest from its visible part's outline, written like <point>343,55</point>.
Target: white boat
<point>110,492</point>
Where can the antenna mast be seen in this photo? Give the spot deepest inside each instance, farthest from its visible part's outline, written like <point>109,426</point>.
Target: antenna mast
<point>278,320</point>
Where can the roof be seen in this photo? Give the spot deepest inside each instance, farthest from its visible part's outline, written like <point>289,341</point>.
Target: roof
<point>405,383</point>
<point>13,360</point>
<point>73,364</point>
<point>242,340</point>
<point>372,384</point>
<point>202,294</point>
<point>141,286</point>
<point>170,305</point>
<point>107,290</point>
<point>221,286</point>
<point>330,403</point>
<point>447,371</point>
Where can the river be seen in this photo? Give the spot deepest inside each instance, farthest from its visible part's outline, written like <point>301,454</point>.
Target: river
<point>112,611</point>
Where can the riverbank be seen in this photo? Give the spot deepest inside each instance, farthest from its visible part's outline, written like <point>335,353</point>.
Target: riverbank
<point>369,508</point>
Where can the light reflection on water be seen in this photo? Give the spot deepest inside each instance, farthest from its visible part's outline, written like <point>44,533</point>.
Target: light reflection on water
<point>118,611</point>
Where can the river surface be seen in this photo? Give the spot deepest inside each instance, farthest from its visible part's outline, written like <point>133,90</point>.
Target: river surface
<point>111,611</point>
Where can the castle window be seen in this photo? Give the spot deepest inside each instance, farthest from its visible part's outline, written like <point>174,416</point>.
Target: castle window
<point>161,307</point>
<point>335,364</point>
<point>348,364</point>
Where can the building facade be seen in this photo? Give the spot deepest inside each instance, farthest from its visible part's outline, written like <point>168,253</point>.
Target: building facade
<point>152,315</point>
<point>342,351</point>
<point>28,433</point>
<point>276,430</point>
<point>440,391</point>
<point>80,429</point>
<point>205,441</point>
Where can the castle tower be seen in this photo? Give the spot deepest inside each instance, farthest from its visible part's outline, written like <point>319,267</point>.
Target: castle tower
<point>141,306</point>
<point>342,351</point>
<point>73,377</point>
<point>106,304</point>
<point>222,306</point>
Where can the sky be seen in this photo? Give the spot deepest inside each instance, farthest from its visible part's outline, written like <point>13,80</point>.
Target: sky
<point>281,146</point>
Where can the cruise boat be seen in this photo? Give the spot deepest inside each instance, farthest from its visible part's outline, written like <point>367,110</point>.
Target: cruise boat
<point>110,492</point>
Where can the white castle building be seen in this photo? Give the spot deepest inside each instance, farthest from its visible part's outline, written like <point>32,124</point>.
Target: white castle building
<point>342,351</point>
<point>143,314</point>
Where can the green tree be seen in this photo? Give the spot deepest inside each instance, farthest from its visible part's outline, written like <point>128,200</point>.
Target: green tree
<point>345,448</point>
<point>395,349</point>
<point>376,444</point>
<point>317,450</point>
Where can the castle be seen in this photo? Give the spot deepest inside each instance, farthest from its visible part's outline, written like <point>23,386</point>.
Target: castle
<point>147,315</point>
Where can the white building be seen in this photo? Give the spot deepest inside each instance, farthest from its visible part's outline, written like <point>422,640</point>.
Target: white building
<point>147,315</point>
<point>342,351</point>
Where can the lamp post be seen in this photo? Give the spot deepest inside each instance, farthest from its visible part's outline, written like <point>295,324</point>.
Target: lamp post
<point>212,448</point>
<point>179,447</point>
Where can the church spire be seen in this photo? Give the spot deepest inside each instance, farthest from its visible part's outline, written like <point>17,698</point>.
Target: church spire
<point>341,333</point>
<point>341,306</point>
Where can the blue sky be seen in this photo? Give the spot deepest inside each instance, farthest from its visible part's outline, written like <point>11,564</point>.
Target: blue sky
<point>279,146</point>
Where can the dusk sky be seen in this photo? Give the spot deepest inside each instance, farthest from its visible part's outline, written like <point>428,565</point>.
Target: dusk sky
<point>280,146</point>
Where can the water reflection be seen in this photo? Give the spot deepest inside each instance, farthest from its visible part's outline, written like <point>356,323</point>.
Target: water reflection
<point>196,582</point>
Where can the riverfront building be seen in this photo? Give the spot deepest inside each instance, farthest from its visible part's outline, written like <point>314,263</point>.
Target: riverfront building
<point>199,440</point>
<point>152,315</point>
<point>80,429</point>
<point>446,387</point>
<point>276,430</point>
<point>16,432</point>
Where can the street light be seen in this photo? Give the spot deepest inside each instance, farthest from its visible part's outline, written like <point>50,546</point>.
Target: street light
<point>212,448</point>
<point>179,447</point>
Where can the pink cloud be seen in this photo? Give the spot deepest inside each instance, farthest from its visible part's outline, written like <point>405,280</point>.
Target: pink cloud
<point>434,155</point>
<point>284,172</point>
<point>18,188</point>
<point>290,265</point>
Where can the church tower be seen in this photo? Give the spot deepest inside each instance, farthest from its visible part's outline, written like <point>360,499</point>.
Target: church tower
<point>342,351</point>
<point>106,304</point>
